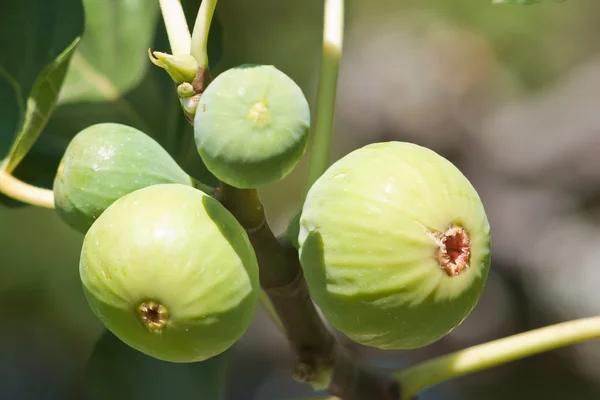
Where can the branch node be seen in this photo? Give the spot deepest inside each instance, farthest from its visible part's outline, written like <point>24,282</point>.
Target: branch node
<point>289,290</point>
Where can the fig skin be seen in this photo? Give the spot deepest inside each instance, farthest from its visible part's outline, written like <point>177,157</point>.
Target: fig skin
<point>252,126</point>
<point>104,162</point>
<point>171,273</point>
<point>370,233</point>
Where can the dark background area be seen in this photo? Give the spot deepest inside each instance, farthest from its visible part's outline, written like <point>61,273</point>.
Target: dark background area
<point>511,94</point>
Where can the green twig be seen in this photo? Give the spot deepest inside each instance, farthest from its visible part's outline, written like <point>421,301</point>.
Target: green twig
<point>437,370</point>
<point>333,34</point>
<point>177,29</point>
<point>200,32</point>
<point>24,192</point>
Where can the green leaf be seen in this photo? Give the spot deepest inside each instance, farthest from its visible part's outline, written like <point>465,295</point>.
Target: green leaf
<point>40,104</point>
<point>111,79</point>
<point>117,371</point>
<point>37,40</point>
<point>10,111</point>
<point>111,59</point>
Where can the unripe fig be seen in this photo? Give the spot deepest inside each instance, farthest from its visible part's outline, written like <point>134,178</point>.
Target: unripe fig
<point>395,245</point>
<point>252,125</point>
<point>104,162</point>
<point>189,100</point>
<point>171,273</point>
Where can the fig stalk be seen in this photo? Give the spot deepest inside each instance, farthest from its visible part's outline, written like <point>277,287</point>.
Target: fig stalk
<point>19,190</point>
<point>177,29</point>
<point>333,38</point>
<point>477,358</point>
<point>200,33</point>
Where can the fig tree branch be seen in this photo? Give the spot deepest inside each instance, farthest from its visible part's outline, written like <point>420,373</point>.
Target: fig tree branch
<point>491,354</point>
<point>268,305</point>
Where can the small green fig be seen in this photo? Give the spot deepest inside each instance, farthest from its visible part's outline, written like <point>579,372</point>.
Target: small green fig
<point>252,126</point>
<point>171,273</point>
<point>395,245</point>
<point>104,162</point>
<point>189,100</point>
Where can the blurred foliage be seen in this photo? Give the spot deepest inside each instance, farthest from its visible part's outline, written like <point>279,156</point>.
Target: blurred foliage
<point>33,64</point>
<point>537,43</point>
<point>117,371</point>
<point>523,2</point>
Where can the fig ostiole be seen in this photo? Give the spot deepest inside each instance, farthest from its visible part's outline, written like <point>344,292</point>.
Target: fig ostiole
<point>395,245</point>
<point>252,126</point>
<point>171,273</point>
<point>104,162</point>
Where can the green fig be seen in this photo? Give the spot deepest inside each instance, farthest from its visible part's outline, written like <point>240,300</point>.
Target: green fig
<point>104,162</point>
<point>252,126</point>
<point>395,245</point>
<point>171,273</point>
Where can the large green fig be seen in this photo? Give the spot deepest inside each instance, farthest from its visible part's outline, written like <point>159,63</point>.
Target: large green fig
<point>104,162</point>
<point>395,245</point>
<point>252,125</point>
<point>171,273</point>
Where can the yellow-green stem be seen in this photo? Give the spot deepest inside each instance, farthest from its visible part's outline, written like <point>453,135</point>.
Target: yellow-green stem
<point>203,187</point>
<point>19,190</point>
<point>431,372</point>
<point>333,35</point>
<point>177,29</point>
<point>200,32</point>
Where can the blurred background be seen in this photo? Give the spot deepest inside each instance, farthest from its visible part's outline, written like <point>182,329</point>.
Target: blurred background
<point>511,94</point>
